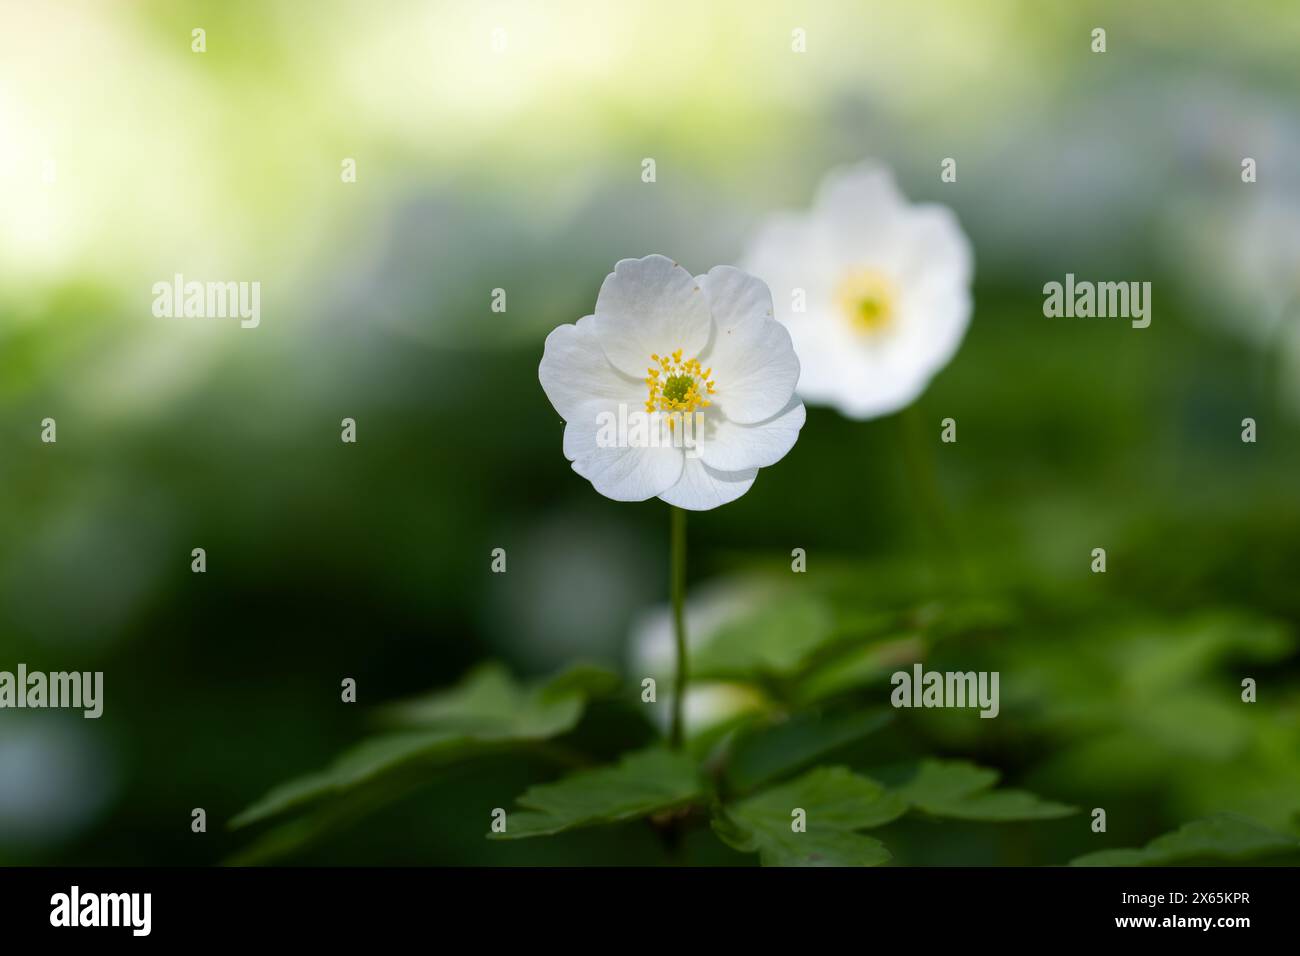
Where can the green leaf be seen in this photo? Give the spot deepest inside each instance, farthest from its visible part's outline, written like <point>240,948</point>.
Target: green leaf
<point>489,712</point>
<point>298,832</point>
<point>490,704</point>
<point>836,804</point>
<point>704,743</point>
<point>361,764</point>
<point>590,680</point>
<point>775,638</point>
<point>775,750</point>
<point>963,791</point>
<point>642,783</point>
<point>1162,655</point>
<point>860,665</point>
<point>1224,837</point>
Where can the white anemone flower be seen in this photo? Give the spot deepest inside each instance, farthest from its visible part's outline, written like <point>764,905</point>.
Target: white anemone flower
<point>875,291</point>
<point>678,387</point>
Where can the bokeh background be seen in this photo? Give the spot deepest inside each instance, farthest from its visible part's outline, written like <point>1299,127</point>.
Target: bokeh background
<point>520,168</point>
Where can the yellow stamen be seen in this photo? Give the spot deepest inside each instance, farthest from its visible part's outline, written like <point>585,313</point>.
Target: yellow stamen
<point>681,389</point>
<point>866,298</point>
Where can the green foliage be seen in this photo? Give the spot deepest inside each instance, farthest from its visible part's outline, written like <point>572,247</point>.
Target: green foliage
<point>1222,838</point>
<point>1119,690</point>
<point>764,753</point>
<point>962,791</point>
<point>775,637</point>
<point>642,783</point>
<point>858,666</point>
<point>815,746</point>
<point>363,763</point>
<point>837,803</point>
<point>488,713</point>
<point>491,705</point>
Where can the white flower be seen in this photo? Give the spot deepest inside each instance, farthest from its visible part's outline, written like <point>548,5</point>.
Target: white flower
<point>885,290</point>
<point>676,387</point>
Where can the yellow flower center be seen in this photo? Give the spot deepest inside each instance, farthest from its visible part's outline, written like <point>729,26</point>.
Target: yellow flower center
<point>866,298</point>
<point>677,387</point>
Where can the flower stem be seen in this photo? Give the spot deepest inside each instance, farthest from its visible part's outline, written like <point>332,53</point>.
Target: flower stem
<point>677,558</point>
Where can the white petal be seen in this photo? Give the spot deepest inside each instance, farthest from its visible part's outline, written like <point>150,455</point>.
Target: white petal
<point>824,344</point>
<point>621,473</point>
<point>752,358</point>
<point>864,382</point>
<point>793,255</point>
<point>574,371</point>
<point>755,379</point>
<point>729,446</point>
<point>865,188</point>
<point>650,306</point>
<point>937,248</point>
<point>701,488</point>
<point>867,382</point>
<point>790,254</point>
<point>935,318</point>
<point>735,297</point>
<point>882,391</point>
<point>859,206</point>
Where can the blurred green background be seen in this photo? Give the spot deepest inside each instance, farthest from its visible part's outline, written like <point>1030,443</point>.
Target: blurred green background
<point>519,168</point>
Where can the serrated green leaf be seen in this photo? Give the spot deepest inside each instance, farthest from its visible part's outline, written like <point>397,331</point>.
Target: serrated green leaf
<point>487,713</point>
<point>765,753</point>
<point>836,803</point>
<point>642,783</point>
<point>1224,837</point>
<point>963,791</point>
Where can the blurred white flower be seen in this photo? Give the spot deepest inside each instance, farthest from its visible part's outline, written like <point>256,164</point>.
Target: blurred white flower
<point>1263,257</point>
<point>1258,258</point>
<point>1243,260</point>
<point>698,363</point>
<point>875,292</point>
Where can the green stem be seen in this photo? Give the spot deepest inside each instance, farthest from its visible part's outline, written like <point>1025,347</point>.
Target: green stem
<point>677,555</point>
